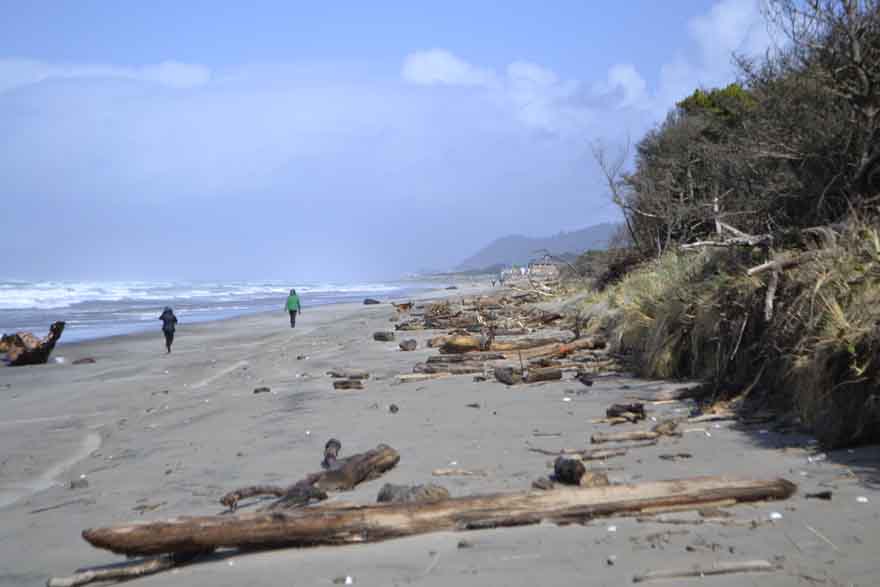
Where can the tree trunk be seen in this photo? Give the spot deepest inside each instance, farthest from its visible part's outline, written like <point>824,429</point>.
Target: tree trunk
<point>27,349</point>
<point>374,523</point>
<point>546,374</point>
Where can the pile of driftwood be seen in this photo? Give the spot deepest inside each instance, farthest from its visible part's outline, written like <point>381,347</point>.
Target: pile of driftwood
<point>23,348</point>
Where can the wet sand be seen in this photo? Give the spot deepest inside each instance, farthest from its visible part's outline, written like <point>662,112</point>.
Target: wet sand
<point>155,435</point>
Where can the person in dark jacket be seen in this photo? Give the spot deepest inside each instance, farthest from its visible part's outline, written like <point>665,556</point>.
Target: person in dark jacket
<point>293,307</point>
<point>169,321</point>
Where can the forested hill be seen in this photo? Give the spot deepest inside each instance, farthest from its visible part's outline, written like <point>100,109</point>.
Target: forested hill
<point>518,249</point>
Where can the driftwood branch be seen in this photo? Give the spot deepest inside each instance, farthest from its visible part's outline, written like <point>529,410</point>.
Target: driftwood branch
<point>719,568</point>
<point>761,240</point>
<point>375,523</point>
<point>114,573</point>
<point>343,475</point>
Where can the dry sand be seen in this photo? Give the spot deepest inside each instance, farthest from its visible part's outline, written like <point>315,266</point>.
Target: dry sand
<point>156,436</point>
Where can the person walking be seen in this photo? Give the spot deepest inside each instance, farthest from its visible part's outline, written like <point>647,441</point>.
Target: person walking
<point>169,322</point>
<point>293,307</point>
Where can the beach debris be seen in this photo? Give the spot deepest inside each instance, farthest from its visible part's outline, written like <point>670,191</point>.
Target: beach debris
<point>393,408</point>
<point>383,336</point>
<point>261,390</point>
<point>409,345</point>
<point>372,523</point>
<point>480,378</point>
<point>584,378</point>
<point>630,412</point>
<point>80,483</point>
<point>371,302</point>
<point>302,357</point>
<point>665,428</point>
<point>452,287</point>
<point>825,495</point>
<point>348,384</point>
<point>508,375</point>
<point>348,374</point>
<point>610,560</point>
<point>676,456</point>
<point>23,348</point>
<point>148,507</point>
<point>455,472</point>
<point>585,454</point>
<point>342,475</point>
<point>417,377</point>
<point>331,453</point>
<point>862,499</point>
<point>114,572</point>
<point>465,544</point>
<point>411,493</point>
<point>571,471</point>
<point>84,361</point>
<point>718,568</point>
<point>546,374</point>
<point>473,405</point>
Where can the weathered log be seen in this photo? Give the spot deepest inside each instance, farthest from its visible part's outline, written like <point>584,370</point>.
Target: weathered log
<point>451,368</point>
<point>343,475</point>
<point>665,428</point>
<point>411,493</point>
<point>718,568</point>
<point>636,411</point>
<point>508,375</point>
<point>348,384</point>
<point>383,336</point>
<point>27,349</point>
<point>557,350</point>
<point>523,344</point>
<point>374,523</point>
<point>461,344</point>
<point>547,374</point>
<point>410,325</point>
<point>417,377</point>
<point>466,357</point>
<point>348,374</point>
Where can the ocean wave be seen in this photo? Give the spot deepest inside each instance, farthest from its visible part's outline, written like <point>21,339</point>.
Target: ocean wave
<point>50,295</point>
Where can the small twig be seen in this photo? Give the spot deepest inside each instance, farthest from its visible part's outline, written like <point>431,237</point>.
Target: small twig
<point>822,536</point>
<point>116,573</point>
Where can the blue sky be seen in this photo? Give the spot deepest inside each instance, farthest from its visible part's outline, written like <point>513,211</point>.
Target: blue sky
<point>188,140</point>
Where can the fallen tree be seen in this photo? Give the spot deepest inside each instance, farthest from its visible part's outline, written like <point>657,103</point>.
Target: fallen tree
<point>373,523</point>
<point>24,348</point>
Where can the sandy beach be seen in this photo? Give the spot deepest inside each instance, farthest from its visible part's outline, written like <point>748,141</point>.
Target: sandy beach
<point>144,436</point>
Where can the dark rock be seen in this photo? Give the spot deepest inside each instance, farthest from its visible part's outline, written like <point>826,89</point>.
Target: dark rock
<point>262,390</point>
<point>508,375</point>
<point>84,361</point>
<point>384,336</point>
<point>474,405</point>
<point>568,471</point>
<point>331,453</point>
<point>80,483</point>
<point>452,287</point>
<point>302,357</point>
<point>348,384</point>
<point>371,302</point>
<point>411,493</point>
<point>409,345</point>
<point>393,408</point>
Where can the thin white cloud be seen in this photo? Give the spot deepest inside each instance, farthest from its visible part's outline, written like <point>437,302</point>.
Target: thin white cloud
<point>440,67</point>
<point>16,72</point>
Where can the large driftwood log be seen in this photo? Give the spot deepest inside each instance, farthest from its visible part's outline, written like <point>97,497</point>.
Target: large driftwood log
<point>342,475</point>
<point>718,568</point>
<point>556,350</point>
<point>27,349</point>
<point>545,374</point>
<point>374,523</point>
<point>466,357</point>
<point>665,428</point>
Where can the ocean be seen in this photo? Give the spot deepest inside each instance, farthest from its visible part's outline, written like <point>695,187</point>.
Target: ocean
<point>94,309</point>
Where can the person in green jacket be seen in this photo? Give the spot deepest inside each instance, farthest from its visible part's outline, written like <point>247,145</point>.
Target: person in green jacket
<point>293,307</point>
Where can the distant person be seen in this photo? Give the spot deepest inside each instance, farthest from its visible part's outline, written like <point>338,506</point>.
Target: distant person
<point>169,322</point>
<point>293,307</point>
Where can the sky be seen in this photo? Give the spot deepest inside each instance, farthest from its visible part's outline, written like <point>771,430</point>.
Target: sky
<point>340,141</point>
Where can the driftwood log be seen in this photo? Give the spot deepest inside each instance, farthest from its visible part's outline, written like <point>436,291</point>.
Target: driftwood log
<point>373,523</point>
<point>665,428</point>
<point>26,349</point>
<point>545,374</point>
<point>466,357</point>
<point>348,384</point>
<point>719,568</point>
<point>341,475</point>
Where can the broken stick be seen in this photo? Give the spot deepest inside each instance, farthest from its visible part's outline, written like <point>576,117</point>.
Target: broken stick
<point>719,568</point>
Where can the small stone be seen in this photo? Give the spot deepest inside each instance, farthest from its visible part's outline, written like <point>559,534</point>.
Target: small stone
<point>610,560</point>
<point>80,483</point>
<point>393,408</point>
<point>409,345</point>
<point>262,390</point>
<point>169,471</point>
